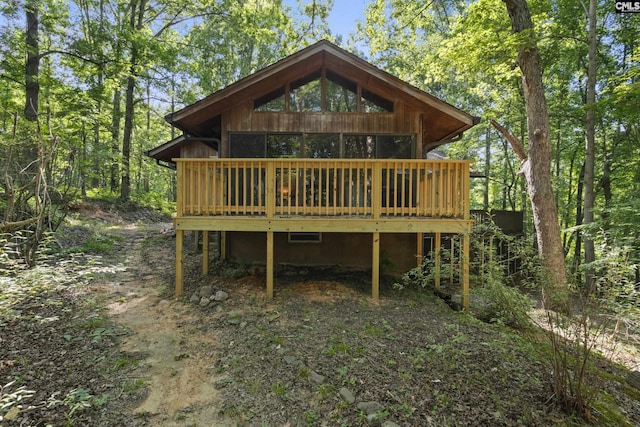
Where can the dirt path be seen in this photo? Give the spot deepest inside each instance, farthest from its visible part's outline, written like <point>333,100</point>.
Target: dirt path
<point>176,361</point>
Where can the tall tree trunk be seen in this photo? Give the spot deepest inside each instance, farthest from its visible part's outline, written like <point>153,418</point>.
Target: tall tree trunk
<point>125,185</point>
<point>487,168</point>
<point>589,156</point>
<point>116,115</point>
<point>136,20</point>
<point>536,162</point>
<point>32,68</point>
<point>577,257</point>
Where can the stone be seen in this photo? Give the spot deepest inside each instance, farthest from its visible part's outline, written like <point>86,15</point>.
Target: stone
<point>388,423</point>
<point>347,395</point>
<point>234,320</point>
<point>291,360</point>
<point>317,378</point>
<point>370,407</point>
<point>204,302</point>
<point>373,420</point>
<point>206,291</point>
<point>195,298</point>
<point>221,296</point>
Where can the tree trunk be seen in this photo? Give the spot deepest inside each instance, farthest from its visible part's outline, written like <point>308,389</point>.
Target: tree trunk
<point>487,168</point>
<point>589,155</point>
<point>536,162</point>
<point>136,20</point>
<point>115,141</point>
<point>577,256</point>
<point>125,185</point>
<point>32,66</point>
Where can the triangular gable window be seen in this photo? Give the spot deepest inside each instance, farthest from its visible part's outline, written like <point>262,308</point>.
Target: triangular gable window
<point>273,101</point>
<point>306,95</point>
<point>341,94</point>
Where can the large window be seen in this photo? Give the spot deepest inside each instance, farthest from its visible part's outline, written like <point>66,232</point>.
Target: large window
<point>321,146</point>
<point>340,96</point>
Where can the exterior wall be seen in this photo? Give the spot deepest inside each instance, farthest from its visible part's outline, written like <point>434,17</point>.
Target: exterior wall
<point>195,150</point>
<point>353,250</point>
<point>244,119</point>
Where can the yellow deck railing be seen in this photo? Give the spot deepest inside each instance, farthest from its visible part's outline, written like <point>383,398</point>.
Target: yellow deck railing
<point>323,187</point>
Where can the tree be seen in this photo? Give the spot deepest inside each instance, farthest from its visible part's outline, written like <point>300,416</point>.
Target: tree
<point>536,161</point>
<point>590,144</point>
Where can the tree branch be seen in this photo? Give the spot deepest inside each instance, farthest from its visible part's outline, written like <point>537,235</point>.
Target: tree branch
<point>74,55</point>
<point>515,143</point>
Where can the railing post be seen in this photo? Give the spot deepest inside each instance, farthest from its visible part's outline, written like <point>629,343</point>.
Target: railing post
<point>465,192</point>
<point>270,207</point>
<point>376,189</point>
<point>181,188</point>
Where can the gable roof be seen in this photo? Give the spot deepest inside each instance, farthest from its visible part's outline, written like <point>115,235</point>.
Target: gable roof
<point>442,120</point>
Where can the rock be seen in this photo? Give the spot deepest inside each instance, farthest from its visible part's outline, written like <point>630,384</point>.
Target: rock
<point>234,320</point>
<point>204,301</point>
<point>195,298</point>
<point>317,378</point>
<point>390,424</point>
<point>370,407</point>
<point>347,395</point>
<point>243,325</point>
<point>206,291</point>
<point>221,296</point>
<point>290,360</point>
<point>373,420</point>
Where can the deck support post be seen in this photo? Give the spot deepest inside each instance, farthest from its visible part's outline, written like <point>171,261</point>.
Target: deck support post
<point>465,270</point>
<point>375,267</point>
<point>205,252</point>
<point>419,249</point>
<point>437,243</point>
<point>269,264</point>
<point>223,246</point>
<point>179,249</point>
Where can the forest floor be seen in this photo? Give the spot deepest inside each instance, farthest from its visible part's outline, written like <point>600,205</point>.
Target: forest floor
<point>94,336</point>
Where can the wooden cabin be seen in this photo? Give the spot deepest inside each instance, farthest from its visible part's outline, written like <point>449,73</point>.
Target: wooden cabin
<point>319,159</point>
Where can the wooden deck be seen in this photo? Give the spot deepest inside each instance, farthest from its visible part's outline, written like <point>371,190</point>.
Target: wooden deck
<point>323,195</point>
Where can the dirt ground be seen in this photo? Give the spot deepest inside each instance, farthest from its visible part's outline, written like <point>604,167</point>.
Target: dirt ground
<point>105,343</point>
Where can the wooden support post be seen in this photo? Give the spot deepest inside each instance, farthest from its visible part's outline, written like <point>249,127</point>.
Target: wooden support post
<point>179,248</point>
<point>437,244</point>
<point>270,264</point>
<point>465,270</point>
<point>420,249</point>
<point>375,267</point>
<point>223,246</point>
<point>205,253</point>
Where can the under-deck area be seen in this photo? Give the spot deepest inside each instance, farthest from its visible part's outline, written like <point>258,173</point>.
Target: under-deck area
<point>324,196</point>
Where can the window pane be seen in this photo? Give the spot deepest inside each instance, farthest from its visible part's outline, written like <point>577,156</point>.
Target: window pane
<point>359,147</point>
<point>394,147</point>
<point>273,101</point>
<point>372,103</point>
<point>247,145</point>
<point>322,146</point>
<point>283,145</point>
<point>306,94</point>
<point>341,94</point>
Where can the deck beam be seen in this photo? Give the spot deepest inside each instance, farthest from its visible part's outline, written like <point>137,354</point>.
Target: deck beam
<point>323,224</point>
